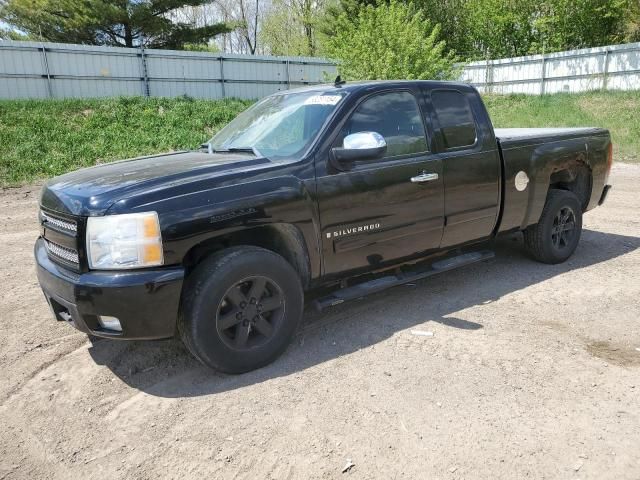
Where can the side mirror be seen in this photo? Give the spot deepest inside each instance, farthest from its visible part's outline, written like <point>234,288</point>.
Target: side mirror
<point>360,146</point>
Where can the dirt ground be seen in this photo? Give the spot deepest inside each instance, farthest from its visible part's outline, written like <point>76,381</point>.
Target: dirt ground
<point>533,371</point>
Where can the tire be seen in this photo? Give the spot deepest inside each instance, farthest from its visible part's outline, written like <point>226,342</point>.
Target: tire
<point>240,309</point>
<point>556,235</point>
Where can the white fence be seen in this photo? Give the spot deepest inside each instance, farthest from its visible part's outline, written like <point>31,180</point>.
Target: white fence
<point>55,70</point>
<point>616,67</point>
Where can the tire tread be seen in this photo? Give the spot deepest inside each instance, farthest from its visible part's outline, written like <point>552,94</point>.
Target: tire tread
<point>195,287</point>
<point>535,238</point>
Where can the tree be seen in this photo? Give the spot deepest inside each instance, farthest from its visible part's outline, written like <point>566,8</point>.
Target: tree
<point>632,27</point>
<point>10,34</point>
<point>450,14</point>
<point>501,28</point>
<point>244,17</point>
<point>334,9</point>
<point>392,41</point>
<point>291,27</point>
<point>279,34</point>
<point>248,24</point>
<point>453,21</point>
<point>571,24</point>
<point>125,23</point>
<point>509,28</point>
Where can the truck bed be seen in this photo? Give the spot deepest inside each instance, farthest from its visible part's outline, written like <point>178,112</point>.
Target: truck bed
<point>533,154</point>
<point>509,137</point>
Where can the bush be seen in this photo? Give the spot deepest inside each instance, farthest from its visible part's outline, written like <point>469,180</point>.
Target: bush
<point>390,41</point>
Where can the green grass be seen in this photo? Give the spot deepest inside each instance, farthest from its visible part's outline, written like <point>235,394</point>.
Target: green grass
<point>44,138</point>
<point>617,111</point>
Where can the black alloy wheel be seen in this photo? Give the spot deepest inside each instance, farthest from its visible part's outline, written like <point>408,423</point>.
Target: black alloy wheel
<point>564,228</point>
<point>250,313</point>
<point>240,308</point>
<point>556,235</point>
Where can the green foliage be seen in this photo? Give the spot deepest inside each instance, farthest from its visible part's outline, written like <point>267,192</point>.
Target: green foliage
<point>473,29</point>
<point>393,41</point>
<point>290,27</point>
<point>43,138</point>
<point>632,23</point>
<point>508,28</point>
<point>278,36</point>
<point>328,22</point>
<point>126,23</point>
<point>501,28</point>
<point>453,21</point>
<point>617,111</point>
<point>10,34</point>
<point>201,47</point>
<point>480,29</point>
<point>570,24</point>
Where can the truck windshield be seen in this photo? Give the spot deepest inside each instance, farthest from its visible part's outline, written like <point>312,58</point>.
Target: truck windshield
<point>281,125</point>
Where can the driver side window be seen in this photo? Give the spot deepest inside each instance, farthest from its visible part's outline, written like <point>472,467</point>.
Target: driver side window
<point>394,115</point>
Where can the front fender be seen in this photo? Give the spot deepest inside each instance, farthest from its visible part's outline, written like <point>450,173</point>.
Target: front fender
<point>203,216</point>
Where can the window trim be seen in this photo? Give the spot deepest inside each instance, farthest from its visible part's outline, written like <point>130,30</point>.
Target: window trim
<point>442,143</point>
<point>421,110</point>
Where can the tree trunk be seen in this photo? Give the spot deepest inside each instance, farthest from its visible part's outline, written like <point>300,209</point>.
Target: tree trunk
<point>128,36</point>
<point>308,27</point>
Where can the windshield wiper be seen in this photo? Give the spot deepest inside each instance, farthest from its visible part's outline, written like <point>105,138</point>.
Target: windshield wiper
<point>253,150</point>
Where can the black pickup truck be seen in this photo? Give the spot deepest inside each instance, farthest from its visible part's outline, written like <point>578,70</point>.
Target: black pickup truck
<point>350,187</point>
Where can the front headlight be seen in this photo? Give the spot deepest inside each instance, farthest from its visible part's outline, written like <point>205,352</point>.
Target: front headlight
<point>124,241</point>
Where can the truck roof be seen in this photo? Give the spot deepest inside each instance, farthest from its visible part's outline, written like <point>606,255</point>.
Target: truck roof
<point>359,85</point>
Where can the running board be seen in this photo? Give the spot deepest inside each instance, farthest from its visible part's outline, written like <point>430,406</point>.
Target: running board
<point>367,288</point>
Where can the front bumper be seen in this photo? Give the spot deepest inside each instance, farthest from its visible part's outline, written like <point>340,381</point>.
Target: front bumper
<point>145,301</point>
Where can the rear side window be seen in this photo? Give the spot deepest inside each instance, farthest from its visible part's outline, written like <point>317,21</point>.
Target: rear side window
<point>455,118</point>
<point>396,116</point>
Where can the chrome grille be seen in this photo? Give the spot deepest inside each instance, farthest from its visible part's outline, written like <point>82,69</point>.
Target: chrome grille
<point>67,254</point>
<point>59,223</point>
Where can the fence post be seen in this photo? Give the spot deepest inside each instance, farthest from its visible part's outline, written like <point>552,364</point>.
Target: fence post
<point>543,74</point>
<point>145,75</point>
<point>46,69</point>
<point>288,75</point>
<point>221,59</point>
<point>605,79</point>
<point>488,75</point>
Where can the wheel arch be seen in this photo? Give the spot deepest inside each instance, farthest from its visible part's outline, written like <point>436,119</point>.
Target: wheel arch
<point>575,176</point>
<point>561,165</point>
<point>282,238</point>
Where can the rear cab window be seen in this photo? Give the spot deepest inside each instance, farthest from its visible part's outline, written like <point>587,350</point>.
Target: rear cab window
<point>455,118</point>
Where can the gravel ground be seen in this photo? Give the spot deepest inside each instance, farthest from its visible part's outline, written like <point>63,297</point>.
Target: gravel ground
<point>532,372</point>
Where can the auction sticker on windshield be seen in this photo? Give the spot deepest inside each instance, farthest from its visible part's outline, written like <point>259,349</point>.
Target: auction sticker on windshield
<point>323,100</point>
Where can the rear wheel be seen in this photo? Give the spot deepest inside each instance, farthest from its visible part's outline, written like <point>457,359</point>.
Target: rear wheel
<point>240,309</point>
<point>556,235</point>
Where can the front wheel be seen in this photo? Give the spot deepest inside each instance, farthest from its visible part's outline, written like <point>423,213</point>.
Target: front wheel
<point>240,309</point>
<point>556,235</point>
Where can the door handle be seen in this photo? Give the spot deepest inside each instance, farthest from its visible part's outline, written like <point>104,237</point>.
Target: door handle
<point>424,177</point>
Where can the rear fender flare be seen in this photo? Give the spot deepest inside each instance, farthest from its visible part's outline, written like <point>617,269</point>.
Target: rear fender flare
<point>546,160</point>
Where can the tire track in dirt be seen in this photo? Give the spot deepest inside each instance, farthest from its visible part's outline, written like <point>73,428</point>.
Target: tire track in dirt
<point>74,344</point>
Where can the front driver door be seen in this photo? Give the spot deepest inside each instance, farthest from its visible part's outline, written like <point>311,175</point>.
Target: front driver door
<point>386,209</point>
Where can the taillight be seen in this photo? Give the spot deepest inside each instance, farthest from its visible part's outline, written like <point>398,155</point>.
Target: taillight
<point>609,162</point>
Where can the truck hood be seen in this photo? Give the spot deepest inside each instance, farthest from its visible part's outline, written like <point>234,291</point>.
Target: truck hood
<point>91,191</point>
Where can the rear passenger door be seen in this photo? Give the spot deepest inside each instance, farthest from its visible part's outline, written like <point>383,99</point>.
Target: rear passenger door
<point>471,165</point>
<point>388,208</point>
